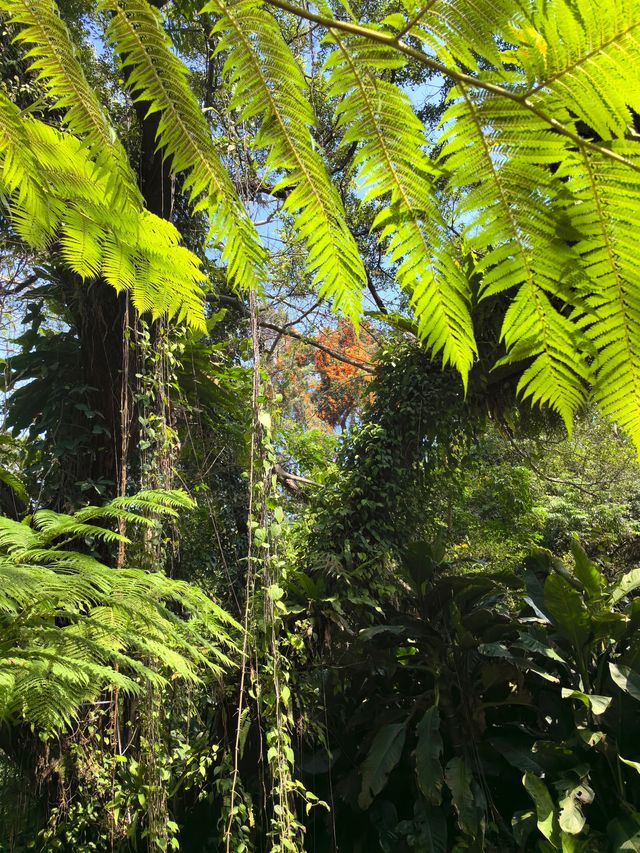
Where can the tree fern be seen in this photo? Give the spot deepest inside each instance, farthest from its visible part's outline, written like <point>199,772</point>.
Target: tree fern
<point>133,251</point>
<point>513,209</point>
<point>35,213</point>
<point>461,31</point>
<point>543,184</point>
<point>392,166</point>
<point>71,626</point>
<point>55,191</point>
<point>605,217</point>
<point>156,76</point>
<point>267,85</point>
<point>580,61</point>
<point>53,57</point>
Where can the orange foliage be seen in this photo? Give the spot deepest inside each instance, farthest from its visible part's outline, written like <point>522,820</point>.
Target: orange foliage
<point>341,386</point>
<point>320,391</point>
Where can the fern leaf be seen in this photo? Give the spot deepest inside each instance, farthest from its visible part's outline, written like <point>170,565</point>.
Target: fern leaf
<point>71,627</point>
<point>461,31</point>
<point>156,75</point>
<point>52,55</point>
<point>35,215</point>
<point>607,196</point>
<point>53,188</point>
<point>581,61</point>
<point>392,166</point>
<point>267,85</point>
<point>513,210</point>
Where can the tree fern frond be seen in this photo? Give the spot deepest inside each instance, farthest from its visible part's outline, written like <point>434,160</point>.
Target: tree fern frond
<point>513,213</point>
<point>52,55</point>
<point>35,214</point>
<point>267,85</point>
<point>80,244</point>
<point>15,535</point>
<point>156,75</point>
<point>461,30</point>
<point>54,525</point>
<point>70,626</point>
<point>156,501</point>
<point>604,215</point>
<point>581,62</point>
<point>392,166</point>
<point>53,188</point>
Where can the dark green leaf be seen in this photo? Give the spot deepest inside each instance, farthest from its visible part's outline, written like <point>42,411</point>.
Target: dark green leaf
<point>565,606</point>
<point>522,825</point>
<point>428,754</point>
<point>627,583</point>
<point>466,796</point>
<point>626,679</point>
<point>586,571</point>
<point>624,831</point>
<point>433,830</point>
<point>545,809</point>
<point>516,749</point>
<point>377,630</point>
<point>530,644</point>
<point>597,704</point>
<point>383,756</point>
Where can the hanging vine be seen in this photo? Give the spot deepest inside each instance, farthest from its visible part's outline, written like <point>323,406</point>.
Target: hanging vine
<point>264,682</point>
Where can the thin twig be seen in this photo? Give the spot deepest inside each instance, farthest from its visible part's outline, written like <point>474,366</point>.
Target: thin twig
<point>291,333</point>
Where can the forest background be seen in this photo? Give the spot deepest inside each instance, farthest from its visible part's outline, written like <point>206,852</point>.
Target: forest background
<point>319,477</point>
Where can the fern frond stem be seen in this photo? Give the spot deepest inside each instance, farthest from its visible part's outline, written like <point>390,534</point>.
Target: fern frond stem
<point>393,42</point>
<point>461,77</point>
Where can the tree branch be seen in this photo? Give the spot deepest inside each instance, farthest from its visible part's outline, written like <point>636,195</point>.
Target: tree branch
<point>291,333</point>
<point>296,478</point>
<point>11,287</point>
<point>374,293</point>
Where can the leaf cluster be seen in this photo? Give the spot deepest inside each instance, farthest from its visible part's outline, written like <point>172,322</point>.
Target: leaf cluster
<point>73,627</point>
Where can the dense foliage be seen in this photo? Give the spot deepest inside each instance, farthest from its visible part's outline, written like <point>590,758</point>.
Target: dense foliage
<point>273,579</point>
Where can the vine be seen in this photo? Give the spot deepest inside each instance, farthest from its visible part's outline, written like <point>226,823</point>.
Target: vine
<point>263,662</point>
